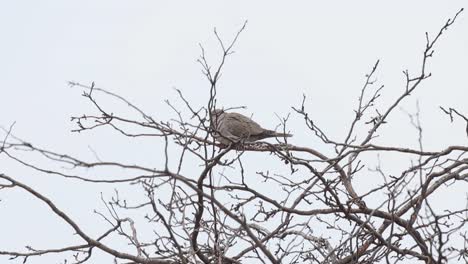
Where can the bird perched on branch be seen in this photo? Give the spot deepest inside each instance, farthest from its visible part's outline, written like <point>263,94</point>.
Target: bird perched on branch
<point>234,127</point>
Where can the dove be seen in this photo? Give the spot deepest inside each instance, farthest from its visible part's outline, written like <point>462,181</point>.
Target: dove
<point>234,127</point>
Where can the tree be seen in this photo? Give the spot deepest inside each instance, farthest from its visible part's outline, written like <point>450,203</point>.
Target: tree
<point>211,213</point>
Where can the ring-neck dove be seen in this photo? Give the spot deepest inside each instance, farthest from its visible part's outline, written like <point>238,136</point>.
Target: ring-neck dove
<point>234,127</point>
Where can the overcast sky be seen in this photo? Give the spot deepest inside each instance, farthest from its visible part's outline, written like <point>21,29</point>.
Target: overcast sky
<point>144,49</point>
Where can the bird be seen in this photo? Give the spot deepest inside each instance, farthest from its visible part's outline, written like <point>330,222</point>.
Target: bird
<point>234,128</point>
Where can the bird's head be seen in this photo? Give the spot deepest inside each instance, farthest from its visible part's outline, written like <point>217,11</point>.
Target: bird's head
<point>216,113</point>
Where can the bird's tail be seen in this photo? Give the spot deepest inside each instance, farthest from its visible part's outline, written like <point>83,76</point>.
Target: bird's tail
<point>271,133</point>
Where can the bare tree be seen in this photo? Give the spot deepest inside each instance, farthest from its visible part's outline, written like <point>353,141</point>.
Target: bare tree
<point>205,216</point>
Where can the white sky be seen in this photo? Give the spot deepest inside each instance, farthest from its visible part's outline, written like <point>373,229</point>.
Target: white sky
<point>142,49</point>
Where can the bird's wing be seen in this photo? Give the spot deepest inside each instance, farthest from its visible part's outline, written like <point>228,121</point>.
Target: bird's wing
<point>240,126</point>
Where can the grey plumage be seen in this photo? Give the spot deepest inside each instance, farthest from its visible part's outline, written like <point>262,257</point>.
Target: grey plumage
<point>234,127</point>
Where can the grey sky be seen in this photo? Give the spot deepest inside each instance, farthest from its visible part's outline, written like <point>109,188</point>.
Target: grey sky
<point>143,49</point>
